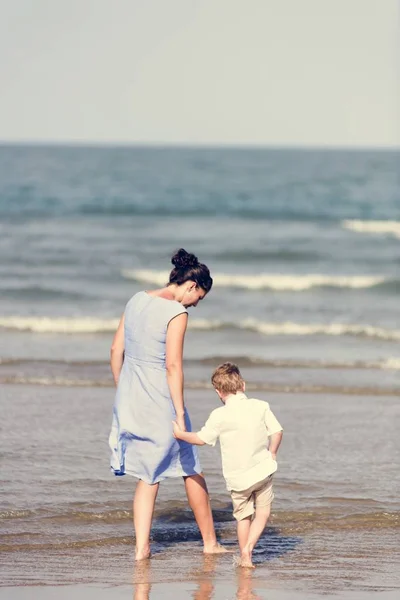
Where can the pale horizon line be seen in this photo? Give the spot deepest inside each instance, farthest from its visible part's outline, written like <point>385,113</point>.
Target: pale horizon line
<point>104,144</point>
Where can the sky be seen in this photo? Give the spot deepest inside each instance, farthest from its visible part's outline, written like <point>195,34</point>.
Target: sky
<point>241,72</point>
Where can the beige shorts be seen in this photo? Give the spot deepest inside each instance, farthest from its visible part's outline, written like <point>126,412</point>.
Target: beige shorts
<point>258,495</point>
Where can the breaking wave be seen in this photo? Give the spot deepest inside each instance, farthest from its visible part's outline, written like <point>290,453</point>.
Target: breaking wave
<point>91,325</point>
<point>59,325</point>
<point>375,227</point>
<point>295,283</point>
<point>334,329</point>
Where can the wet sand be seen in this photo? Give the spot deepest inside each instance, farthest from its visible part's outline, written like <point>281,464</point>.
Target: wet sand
<point>243,590</point>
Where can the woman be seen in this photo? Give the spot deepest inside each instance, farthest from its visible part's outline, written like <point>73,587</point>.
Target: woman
<point>146,362</point>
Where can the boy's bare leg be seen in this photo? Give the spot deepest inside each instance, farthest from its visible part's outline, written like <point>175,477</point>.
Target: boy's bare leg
<point>199,502</point>
<point>256,528</point>
<point>243,530</point>
<point>143,509</point>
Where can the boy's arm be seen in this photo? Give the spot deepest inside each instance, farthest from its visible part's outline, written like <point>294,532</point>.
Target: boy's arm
<point>274,443</point>
<point>275,431</point>
<point>187,436</point>
<point>207,434</point>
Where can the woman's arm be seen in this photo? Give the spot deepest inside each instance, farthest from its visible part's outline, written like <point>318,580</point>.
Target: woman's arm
<point>117,351</point>
<point>173,362</point>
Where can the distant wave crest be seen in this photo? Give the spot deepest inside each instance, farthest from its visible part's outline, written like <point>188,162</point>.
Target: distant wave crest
<point>334,329</point>
<point>376,227</point>
<point>271,281</point>
<point>59,325</point>
<point>90,325</point>
<point>391,363</point>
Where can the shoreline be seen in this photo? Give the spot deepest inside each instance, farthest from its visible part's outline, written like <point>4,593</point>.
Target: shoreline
<point>205,386</point>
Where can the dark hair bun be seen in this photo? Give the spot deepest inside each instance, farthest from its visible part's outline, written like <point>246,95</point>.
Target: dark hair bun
<point>183,259</point>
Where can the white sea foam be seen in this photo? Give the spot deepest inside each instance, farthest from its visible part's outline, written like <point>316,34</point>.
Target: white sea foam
<point>392,363</point>
<point>59,325</point>
<point>57,381</point>
<point>83,325</point>
<point>334,329</point>
<point>207,324</point>
<point>90,325</point>
<point>376,227</point>
<point>271,281</point>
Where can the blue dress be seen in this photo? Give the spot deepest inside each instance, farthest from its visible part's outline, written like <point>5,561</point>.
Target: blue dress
<point>141,439</point>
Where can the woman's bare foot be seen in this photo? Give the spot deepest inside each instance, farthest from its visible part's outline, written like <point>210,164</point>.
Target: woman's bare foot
<point>142,553</point>
<point>245,559</point>
<point>215,549</point>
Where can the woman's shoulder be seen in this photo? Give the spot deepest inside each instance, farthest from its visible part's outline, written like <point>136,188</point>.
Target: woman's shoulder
<point>135,298</point>
<point>156,304</point>
<point>136,304</point>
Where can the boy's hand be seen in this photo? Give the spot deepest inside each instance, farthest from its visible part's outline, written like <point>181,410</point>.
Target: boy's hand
<point>273,454</point>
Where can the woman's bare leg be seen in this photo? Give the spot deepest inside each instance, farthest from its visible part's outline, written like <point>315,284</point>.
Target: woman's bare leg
<point>199,502</point>
<point>143,509</point>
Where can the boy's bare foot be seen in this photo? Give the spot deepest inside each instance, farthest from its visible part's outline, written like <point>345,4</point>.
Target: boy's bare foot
<point>215,549</point>
<point>142,553</point>
<point>245,560</point>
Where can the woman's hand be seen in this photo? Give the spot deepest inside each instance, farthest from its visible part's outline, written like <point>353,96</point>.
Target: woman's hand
<point>176,430</point>
<point>180,422</point>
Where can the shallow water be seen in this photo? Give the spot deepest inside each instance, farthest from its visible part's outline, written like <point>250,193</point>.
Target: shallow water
<point>65,519</point>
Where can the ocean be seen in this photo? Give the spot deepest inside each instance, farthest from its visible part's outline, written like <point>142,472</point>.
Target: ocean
<point>304,249</point>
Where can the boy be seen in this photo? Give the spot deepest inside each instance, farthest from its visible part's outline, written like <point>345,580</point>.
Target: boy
<point>243,426</point>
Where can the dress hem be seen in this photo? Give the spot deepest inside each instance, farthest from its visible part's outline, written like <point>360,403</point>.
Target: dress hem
<point>158,480</point>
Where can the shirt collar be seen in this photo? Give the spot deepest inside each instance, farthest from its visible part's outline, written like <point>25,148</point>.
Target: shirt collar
<point>236,397</point>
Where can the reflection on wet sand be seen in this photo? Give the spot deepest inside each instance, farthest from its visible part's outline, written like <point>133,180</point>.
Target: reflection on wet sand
<point>141,580</point>
<point>245,585</point>
<point>203,576</point>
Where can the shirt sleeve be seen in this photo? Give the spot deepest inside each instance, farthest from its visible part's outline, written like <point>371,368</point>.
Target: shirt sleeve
<point>271,422</point>
<point>209,433</point>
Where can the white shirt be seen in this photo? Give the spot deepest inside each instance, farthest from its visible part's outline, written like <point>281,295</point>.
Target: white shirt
<point>243,426</point>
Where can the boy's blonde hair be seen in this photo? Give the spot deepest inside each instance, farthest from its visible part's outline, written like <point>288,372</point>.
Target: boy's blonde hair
<point>227,379</point>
